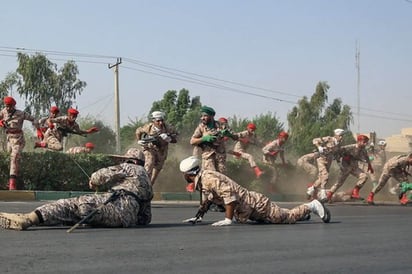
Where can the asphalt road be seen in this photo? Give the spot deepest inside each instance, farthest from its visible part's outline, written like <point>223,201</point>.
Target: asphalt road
<point>359,239</point>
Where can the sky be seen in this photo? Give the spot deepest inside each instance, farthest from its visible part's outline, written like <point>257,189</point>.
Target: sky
<point>243,58</point>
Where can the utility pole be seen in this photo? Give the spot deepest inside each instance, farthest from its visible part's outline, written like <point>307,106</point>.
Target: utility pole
<point>357,61</point>
<point>116,102</point>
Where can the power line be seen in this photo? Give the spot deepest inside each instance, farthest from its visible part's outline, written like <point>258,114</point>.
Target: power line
<point>180,74</point>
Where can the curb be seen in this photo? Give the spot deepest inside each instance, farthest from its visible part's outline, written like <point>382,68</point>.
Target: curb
<point>27,195</point>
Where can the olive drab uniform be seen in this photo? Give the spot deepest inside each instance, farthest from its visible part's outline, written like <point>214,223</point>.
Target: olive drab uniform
<point>351,155</point>
<point>132,207</point>
<point>249,205</point>
<point>156,150</point>
<point>15,136</point>
<point>246,138</point>
<point>213,153</point>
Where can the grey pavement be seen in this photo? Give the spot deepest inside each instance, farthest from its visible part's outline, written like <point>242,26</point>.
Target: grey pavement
<point>359,239</point>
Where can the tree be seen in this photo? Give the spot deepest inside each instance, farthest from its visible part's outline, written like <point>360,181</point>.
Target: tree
<point>104,140</point>
<point>314,118</point>
<point>41,84</point>
<point>181,111</point>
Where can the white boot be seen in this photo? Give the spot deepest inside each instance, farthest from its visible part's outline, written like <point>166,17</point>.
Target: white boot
<point>18,221</point>
<point>319,209</point>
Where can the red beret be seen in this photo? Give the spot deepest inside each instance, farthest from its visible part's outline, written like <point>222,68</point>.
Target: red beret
<point>251,126</point>
<point>363,138</point>
<point>89,145</point>
<point>54,109</point>
<point>8,100</point>
<point>72,111</point>
<point>283,134</point>
<point>223,120</point>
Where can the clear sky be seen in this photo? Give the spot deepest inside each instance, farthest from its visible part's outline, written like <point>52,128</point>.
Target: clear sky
<point>266,53</point>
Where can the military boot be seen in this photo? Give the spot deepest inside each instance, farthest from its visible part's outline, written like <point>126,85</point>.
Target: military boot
<point>258,172</point>
<point>18,221</point>
<point>370,198</point>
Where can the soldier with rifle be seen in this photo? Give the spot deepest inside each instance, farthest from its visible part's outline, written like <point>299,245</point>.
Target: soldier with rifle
<point>60,127</point>
<point>154,137</point>
<point>127,204</point>
<point>11,119</point>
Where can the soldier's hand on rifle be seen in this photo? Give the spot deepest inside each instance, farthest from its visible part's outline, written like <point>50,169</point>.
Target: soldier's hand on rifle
<point>92,130</point>
<point>165,137</point>
<point>321,149</point>
<point>208,138</point>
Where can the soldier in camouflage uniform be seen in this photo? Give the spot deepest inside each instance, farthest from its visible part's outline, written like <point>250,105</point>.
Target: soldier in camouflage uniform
<point>130,193</point>
<point>308,163</point>
<point>87,148</point>
<point>209,136</point>
<point>397,168</point>
<point>11,119</point>
<point>240,203</point>
<point>246,138</point>
<point>327,147</point>
<point>155,137</point>
<point>351,155</point>
<point>44,122</point>
<point>59,127</point>
<point>272,149</point>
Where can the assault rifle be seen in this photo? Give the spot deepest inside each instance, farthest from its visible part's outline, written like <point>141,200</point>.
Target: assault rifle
<point>154,139</point>
<point>66,131</point>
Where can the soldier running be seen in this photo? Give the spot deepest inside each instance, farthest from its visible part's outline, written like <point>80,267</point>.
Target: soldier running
<point>155,137</point>
<point>11,119</point>
<point>59,128</point>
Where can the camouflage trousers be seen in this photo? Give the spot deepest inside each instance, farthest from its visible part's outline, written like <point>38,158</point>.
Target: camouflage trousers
<point>154,159</point>
<point>277,215</point>
<point>15,146</point>
<point>214,161</point>
<point>248,157</point>
<point>323,172</point>
<point>53,143</point>
<point>125,211</point>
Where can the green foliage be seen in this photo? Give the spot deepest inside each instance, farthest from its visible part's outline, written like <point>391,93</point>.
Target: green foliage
<point>42,84</point>
<point>314,118</point>
<point>54,171</point>
<point>104,140</point>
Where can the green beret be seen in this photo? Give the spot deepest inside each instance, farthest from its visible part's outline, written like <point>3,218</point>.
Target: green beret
<point>208,110</point>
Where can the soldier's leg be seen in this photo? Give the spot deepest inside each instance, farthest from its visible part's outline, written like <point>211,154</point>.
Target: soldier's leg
<point>362,178</point>
<point>53,143</point>
<point>149,162</point>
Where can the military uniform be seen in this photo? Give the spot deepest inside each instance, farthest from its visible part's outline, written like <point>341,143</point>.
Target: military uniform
<point>249,205</point>
<point>15,136</point>
<point>308,163</point>
<point>155,152</point>
<point>351,156</point>
<point>213,153</point>
<point>130,207</point>
<point>54,136</point>
<point>246,138</point>
<point>271,151</point>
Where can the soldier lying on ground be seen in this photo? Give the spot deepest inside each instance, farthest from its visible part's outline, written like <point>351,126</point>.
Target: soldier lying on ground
<point>130,198</point>
<point>240,203</point>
